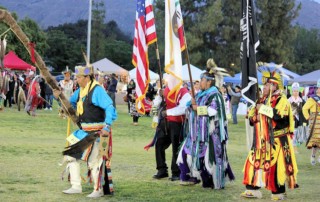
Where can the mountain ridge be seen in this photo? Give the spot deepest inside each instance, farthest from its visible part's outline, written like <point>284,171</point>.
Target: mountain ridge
<point>121,11</point>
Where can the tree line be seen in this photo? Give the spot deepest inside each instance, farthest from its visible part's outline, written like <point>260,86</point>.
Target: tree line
<point>211,29</point>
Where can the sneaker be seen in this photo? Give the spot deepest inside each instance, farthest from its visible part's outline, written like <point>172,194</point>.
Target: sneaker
<point>319,159</point>
<point>277,197</point>
<point>46,109</point>
<point>96,194</point>
<point>251,194</point>
<point>160,175</point>
<point>174,178</point>
<point>191,181</point>
<point>50,108</point>
<point>72,191</point>
<point>313,160</point>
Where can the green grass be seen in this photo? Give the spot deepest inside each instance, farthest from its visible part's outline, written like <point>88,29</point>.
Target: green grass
<point>30,150</point>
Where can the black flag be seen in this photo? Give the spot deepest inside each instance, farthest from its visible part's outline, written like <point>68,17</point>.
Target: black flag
<point>249,44</point>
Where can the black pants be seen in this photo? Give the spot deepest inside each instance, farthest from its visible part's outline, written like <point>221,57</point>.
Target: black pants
<point>8,99</point>
<point>163,142</point>
<point>135,119</point>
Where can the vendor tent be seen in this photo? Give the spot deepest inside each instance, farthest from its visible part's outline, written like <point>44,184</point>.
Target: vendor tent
<point>308,79</point>
<point>108,67</point>
<point>153,76</point>
<point>195,72</point>
<point>12,61</point>
<point>236,79</point>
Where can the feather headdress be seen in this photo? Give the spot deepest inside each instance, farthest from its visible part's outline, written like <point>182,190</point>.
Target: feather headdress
<point>85,70</point>
<point>272,73</point>
<point>215,72</point>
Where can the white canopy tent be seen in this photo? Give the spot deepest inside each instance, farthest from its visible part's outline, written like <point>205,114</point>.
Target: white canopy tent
<point>308,79</point>
<point>153,76</point>
<point>108,67</point>
<point>195,73</point>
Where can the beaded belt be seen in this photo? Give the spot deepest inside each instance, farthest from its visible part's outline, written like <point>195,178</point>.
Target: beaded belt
<point>280,132</point>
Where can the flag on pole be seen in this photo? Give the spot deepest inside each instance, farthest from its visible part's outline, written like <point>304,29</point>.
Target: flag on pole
<point>174,45</point>
<point>248,49</point>
<point>144,35</point>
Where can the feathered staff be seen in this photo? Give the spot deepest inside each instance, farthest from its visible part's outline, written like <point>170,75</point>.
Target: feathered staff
<point>218,72</point>
<point>3,44</point>
<point>6,17</point>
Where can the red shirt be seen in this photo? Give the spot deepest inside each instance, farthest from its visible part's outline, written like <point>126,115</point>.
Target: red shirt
<point>171,105</point>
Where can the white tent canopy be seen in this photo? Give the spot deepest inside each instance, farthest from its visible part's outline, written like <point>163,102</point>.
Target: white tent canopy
<point>108,67</point>
<point>153,76</point>
<point>195,73</point>
<point>308,79</point>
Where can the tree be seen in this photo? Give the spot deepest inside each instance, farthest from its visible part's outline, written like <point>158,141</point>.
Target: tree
<point>64,51</point>
<point>77,31</point>
<point>226,43</point>
<point>97,36</point>
<point>200,21</point>
<point>119,52</point>
<point>66,42</point>
<point>307,50</point>
<point>276,32</point>
<point>33,32</point>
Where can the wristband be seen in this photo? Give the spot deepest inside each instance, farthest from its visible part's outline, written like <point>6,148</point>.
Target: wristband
<point>107,128</point>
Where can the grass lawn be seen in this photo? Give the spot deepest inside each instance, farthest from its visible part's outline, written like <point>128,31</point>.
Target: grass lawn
<point>30,150</point>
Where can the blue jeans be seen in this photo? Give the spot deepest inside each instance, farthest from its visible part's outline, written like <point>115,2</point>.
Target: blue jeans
<point>234,113</point>
<point>49,99</point>
<point>113,98</point>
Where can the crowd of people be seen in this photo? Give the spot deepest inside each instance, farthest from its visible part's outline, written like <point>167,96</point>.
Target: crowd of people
<point>195,126</point>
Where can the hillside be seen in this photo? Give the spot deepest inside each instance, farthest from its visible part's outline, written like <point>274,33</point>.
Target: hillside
<point>55,12</point>
<point>309,14</point>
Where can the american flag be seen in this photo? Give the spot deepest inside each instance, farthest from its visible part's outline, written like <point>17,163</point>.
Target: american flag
<point>144,35</point>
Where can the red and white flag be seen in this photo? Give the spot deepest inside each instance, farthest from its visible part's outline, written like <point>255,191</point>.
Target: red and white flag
<point>144,35</point>
<point>174,45</point>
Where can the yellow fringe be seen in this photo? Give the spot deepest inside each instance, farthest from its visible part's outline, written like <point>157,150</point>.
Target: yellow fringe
<point>281,169</point>
<point>284,109</point>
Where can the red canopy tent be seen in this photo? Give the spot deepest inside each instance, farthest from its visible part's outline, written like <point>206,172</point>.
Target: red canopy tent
<point>12,61</point>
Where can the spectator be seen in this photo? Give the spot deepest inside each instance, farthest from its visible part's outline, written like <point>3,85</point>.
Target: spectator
<point>9,95</point>
<point>196,87</point>
<point>42,83</point>
<point>151,92</point>
<point>49,97</point>
<point>131,86</point>
<point>185,85</point>
<point>235,99</point>
<point>112,88</point>
<point>223,90</point>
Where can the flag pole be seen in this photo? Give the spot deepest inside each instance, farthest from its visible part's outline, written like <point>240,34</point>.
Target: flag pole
<point>188,62</point>
<point>159,64</point>
<point>89,30</point>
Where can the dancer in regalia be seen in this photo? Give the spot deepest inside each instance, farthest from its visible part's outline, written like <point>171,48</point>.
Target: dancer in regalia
<point>271,162</point>
<point>203,155</point>
<point>300,129</point>
<point>96,114</point>
<point>313,105</point>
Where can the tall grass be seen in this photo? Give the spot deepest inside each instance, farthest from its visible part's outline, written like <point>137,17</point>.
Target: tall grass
<point>30,150</point>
